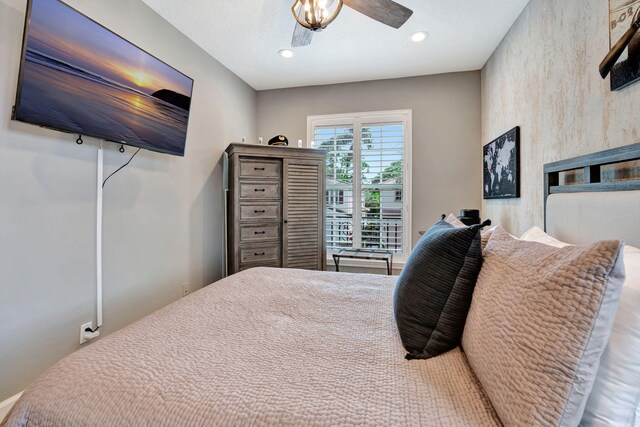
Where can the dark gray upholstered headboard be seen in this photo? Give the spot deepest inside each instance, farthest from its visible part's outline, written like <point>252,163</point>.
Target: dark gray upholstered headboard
<point>594,197</point>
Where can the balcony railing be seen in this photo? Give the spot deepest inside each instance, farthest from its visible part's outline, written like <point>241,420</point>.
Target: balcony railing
<point>376,233</point>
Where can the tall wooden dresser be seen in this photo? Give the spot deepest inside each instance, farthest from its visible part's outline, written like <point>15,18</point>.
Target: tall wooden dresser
<point>275,208</point>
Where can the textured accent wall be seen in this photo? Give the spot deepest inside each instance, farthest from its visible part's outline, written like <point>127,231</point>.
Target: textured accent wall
<point>544,78</point>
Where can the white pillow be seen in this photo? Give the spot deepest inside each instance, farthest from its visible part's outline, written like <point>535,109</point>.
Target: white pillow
<point>451,219</point>
<point>615,397</point>
<point>537,234</point>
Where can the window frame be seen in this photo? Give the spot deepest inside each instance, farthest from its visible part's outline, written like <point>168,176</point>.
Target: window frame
<point>357,121</point>
<point>335,196</point>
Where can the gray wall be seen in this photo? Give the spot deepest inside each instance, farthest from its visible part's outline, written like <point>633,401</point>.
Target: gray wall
<point>446,130</point>
<point>544,78</point>
<point>163,215</point>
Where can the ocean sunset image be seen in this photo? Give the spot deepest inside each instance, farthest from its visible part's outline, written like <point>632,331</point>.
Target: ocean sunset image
<point>80,77</point>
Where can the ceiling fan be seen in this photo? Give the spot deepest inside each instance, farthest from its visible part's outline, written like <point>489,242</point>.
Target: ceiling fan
<point>315,15</point>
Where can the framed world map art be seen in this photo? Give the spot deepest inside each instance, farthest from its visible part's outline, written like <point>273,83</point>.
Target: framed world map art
<point>501,166</point>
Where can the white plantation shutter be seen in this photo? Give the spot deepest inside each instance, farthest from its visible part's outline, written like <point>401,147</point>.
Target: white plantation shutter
<point>382,159</point>
<point>368,192</point>
<point>338,142</point>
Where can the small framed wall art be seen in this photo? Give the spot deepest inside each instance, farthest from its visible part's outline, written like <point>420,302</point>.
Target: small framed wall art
<point>627,69</point>
<point>501,166</point>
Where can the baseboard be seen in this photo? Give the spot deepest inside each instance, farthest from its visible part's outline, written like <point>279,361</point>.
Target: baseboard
<point>6,406</point>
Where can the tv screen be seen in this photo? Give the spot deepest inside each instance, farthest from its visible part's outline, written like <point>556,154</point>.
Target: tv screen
<point>76,76</point>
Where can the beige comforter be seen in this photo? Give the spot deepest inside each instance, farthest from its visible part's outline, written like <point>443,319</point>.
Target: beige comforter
<point>263,347</point>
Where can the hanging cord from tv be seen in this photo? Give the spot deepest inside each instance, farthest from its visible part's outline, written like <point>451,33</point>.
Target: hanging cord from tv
<point>79,141</point>
<point>121,167</point>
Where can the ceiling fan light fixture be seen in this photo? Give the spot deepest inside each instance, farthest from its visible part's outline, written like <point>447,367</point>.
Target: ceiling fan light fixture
<point>419,36</point>
<point>317,15</point>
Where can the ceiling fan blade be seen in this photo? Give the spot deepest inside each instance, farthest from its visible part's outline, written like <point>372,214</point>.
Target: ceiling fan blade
<point>386,11</point>
<point>301,36</point>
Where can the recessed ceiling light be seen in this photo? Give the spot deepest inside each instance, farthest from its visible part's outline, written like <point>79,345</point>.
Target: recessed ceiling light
<point>286,53</point>
<point>419,36</point>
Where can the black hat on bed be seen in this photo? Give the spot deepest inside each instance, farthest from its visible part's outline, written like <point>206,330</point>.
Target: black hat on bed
<point>279,140</point>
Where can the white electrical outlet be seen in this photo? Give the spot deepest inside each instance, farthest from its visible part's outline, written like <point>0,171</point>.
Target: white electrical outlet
<point>87,335</point>
<point>185,289</point>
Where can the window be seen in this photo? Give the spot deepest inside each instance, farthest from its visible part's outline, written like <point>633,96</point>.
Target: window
<point>367,173</point>
<point>335,197</point>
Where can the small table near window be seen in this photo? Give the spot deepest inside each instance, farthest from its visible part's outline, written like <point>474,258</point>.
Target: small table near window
<point>372,254</point>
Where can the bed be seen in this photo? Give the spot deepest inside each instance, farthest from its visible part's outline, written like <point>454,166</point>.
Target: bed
<point>264,346</point>
<point>290,347</point>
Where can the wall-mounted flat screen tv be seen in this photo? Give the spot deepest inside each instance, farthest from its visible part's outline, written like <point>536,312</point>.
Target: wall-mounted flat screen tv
<point>78,77</point>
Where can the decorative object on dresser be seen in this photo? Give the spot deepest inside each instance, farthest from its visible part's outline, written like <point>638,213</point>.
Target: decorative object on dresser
<point>501,166</point>
<point>279,140</point>
<point>275,208</point>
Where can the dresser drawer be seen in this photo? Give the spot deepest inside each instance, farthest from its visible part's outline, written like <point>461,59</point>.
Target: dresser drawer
<point>259,253</point>
<point>260,168</point>
<point>274,263</point>
<point>259,190</point>
<point>260,211</point>
<point>252,233</point>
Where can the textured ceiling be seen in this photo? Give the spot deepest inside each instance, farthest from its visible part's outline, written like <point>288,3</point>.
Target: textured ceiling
<point>245,36</point>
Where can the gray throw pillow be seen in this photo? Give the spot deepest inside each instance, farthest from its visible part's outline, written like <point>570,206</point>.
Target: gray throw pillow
<point>434,290</point>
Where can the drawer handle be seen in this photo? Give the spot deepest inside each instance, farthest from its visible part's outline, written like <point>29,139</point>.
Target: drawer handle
<point>259,189</point>
<point>259,232</point>
<point>258,169</point>
<point>262,211</point>
<point>259,254</point>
